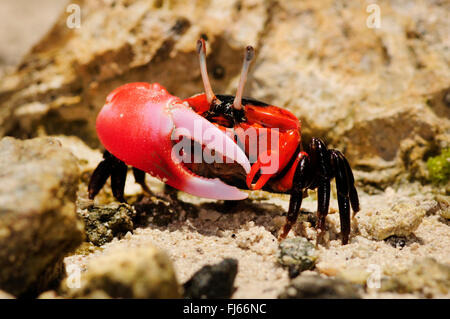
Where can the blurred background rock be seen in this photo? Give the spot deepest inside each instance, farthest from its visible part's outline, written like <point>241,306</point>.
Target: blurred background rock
<point>380,95</point>
<point>22,24</point>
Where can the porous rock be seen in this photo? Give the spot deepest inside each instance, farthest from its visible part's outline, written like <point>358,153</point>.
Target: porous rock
<point>38,222</point>
<point>401,220</point>
<point>103,223</point>
<point>128,272</point>
<point>298,254</point>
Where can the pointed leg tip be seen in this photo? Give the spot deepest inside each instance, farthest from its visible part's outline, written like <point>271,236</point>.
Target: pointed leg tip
<point>120,199</point>
<point>284,231</point>
<point>344,240</point>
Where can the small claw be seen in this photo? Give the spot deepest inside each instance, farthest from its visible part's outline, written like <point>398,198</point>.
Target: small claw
<point>266,171</point>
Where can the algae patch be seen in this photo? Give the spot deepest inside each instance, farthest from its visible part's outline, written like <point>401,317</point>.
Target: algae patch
<point>439,167</point>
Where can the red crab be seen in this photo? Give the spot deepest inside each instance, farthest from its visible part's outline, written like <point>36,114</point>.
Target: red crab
<point>144,126</point>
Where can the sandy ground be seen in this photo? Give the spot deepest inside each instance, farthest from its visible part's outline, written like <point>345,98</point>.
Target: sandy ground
<point>248,233</point>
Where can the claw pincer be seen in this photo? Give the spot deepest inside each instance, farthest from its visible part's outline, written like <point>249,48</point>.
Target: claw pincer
<point>141,123</point>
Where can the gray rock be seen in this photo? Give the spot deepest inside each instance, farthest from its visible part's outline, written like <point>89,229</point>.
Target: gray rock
<point>38,223</point>
<point>213,281</point>
<point>315,286</point>
<point>298,254</point>
<point>103,223</point>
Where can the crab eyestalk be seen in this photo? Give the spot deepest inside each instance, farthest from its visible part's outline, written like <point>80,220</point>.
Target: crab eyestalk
<point>201,50</point>
<point>249,54</point>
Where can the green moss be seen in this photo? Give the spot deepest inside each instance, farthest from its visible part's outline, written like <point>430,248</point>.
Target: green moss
<point>439,167</point>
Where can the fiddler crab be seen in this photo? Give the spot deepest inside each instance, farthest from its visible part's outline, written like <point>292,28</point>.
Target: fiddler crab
<point>214,145</point>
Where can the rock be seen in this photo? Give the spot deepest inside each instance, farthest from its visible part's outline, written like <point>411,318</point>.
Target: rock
<point>51,294</point>
<point>158,210</point>
<point>128,272</point>
<point>38,223</point>
<point>87,248</point>
<point>400,220</point>
<point>144,34</point>
<point>88,158</point>
<point>444,204</point>
<point>379,95</point>
<point>103,223</point>
<point>5,295</point>
<point>213,281</point>
<point>354,275</point>
<point>426,276</point>
<point>17,35</point>
<point>298,254</point>
<point>315,286</point>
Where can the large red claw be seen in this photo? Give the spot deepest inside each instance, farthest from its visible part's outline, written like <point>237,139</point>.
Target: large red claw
<point>138,124</point>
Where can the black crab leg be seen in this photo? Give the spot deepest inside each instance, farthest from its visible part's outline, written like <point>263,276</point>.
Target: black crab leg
<point>353,194</point>
<point>112,167</point>
<point>171,194</point>
<point>316,171</point>
<point>343,193</point>
<point>98,178</point>
<point>323,203</point>
<point>295,203</point>
<point>139,177</point>
<point>109,166</point>
<point>320,157</point>
<point>302,179</point>
<point>118,177</point>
